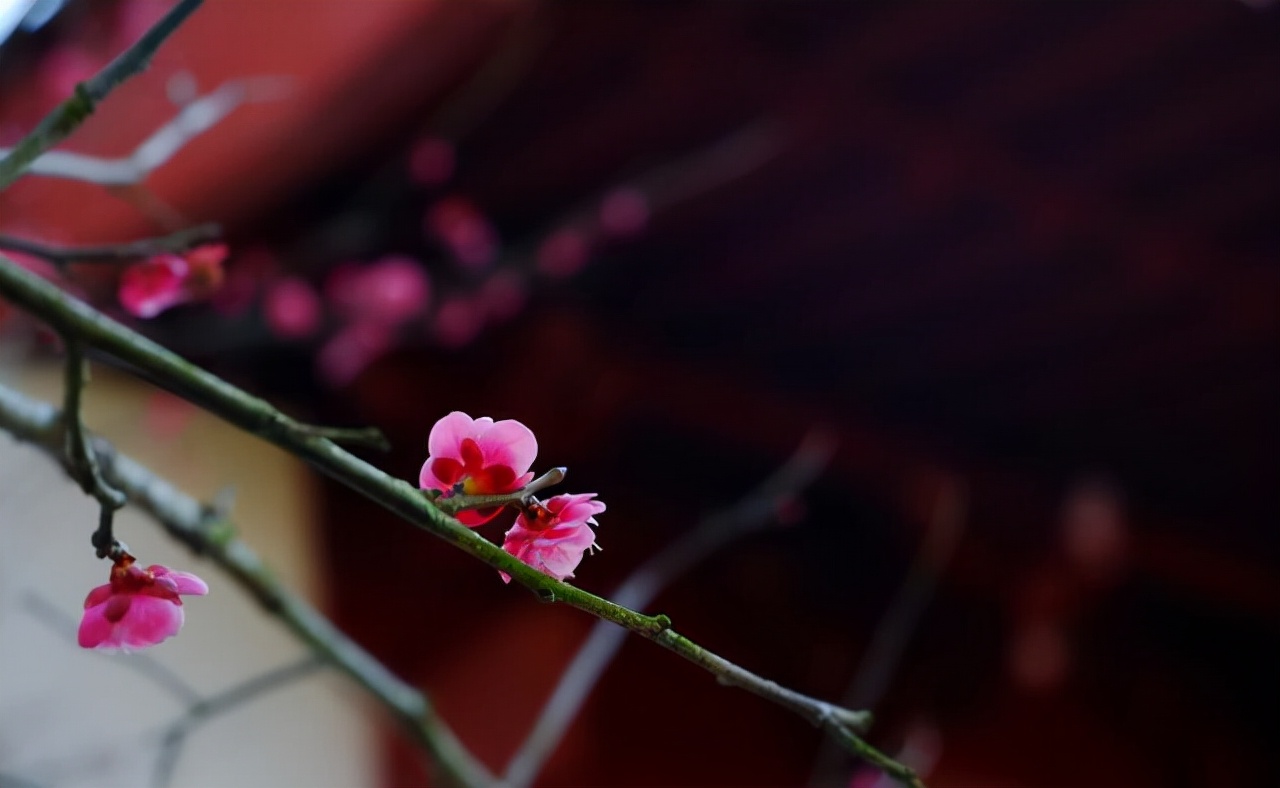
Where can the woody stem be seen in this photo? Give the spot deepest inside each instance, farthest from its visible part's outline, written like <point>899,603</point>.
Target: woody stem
<point>522,497</point>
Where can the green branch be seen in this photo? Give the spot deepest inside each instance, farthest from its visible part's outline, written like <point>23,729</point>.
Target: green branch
<point>196,526</point>
<point>753,512</point>
<point>256,416</point>
<point>67,116</point>
<point>174,243</point>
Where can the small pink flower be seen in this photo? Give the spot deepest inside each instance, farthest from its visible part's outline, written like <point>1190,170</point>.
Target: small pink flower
<point>478,457</point>
<point>553,537</point>
<point>138,608</point>
<point>154,285</point>
<point>150,287</point>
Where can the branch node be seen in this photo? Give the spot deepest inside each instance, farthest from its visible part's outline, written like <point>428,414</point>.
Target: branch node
<point>521,498</point>
<point>366,437</point>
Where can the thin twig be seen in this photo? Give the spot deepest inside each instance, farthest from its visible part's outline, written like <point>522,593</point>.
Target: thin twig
<point>256,416</point>
<point>177,242</point>
<point>855,744</point>
<point>82,461</point>
<point>456,503</point>
<point>889,640</point>
<point>367,437</point>
<point>192,120</point>
<point>190,522</point>
<point>67,116</point>
<point>753,512</point>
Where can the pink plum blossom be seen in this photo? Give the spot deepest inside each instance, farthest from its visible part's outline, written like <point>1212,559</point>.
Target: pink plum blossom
<point>158,283</point>
<point>138,608</point>
<point>553,537</point>
<point>478,457</point>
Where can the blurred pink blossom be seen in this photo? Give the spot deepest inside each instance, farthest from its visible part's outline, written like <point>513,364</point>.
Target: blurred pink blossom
<point>624,211</point>
<point>64,67</point>
<point>477,457</point>
<point>347,353</point>
<point>292,308</point>
<point>252,267</point>
<point>137,608</point>
<point>388,292</point>
<point>457,322</point>
<point>466,232</point>
<point>154,285</point>
<point>502,295</point>
<point>1094,533</point>
<point>432,161</point>
<point>563,253</point>
<point>553,537</point>
<point>135,17</point>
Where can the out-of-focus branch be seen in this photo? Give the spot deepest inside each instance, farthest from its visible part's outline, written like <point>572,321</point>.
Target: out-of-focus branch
<point>194,524</point>
<point>175,736</point>
<point>174,243</point>
<point>889,641</point>
<point>67,116</point>
<point>255,415</point>
<point>753,512</point>
<point>192,120</point>
<point>155,671</point>
<point>199,709</point>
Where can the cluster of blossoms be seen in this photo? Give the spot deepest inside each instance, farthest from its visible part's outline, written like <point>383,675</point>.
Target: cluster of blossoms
<point>482,457</point>
<point>137,608</point>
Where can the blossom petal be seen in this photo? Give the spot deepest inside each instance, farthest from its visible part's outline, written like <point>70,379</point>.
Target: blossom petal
<point>508,442</point>
<point>150,287</point>
<point>472,518</point>
<point>97,596</point>
<point>189,584</point>
<point>150,621</point>
<point>446,436</point>
<point>95,629</point>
